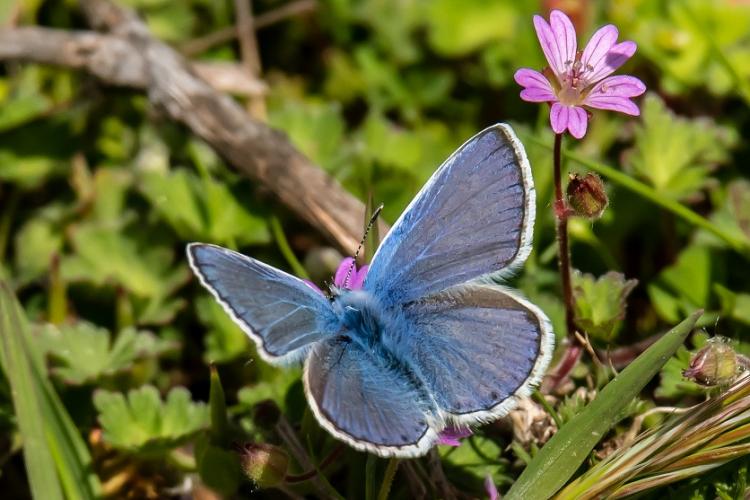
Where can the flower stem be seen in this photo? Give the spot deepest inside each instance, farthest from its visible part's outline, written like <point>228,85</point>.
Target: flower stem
<point>390,473</point>
<point>561,215</point>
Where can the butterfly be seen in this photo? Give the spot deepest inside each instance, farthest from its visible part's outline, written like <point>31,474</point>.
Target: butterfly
<point>430,339</point>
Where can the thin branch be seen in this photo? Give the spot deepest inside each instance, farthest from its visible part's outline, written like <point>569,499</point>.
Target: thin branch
<point>204,43</point>
<point>249,52</point>
<point>246,36</point>
<point>129,56</point>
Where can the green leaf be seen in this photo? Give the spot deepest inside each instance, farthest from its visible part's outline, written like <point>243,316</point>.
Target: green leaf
<point>218,468</point>
<point>558,460</point>
<point>84,353</point>
<point>734,305</point>
<point>40,463</point>
<point>459,27</point>
<point>600,303</point>
<point>105,256</point>
<point>218,408</point>
<point>40,411</point>
<point>685,285</point>
<point>224,340</point>
<point>144,424</point>
<point>36,242</point>
<point>274,384</point>
<point>28,171</point>
<point>202,209</point>
<point>316,127</point>
<point>477,455</point>
<point>675,154</point>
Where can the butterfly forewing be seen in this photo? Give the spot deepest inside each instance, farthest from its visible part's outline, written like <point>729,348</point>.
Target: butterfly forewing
<point>281,313</point>
<point>473,217</point>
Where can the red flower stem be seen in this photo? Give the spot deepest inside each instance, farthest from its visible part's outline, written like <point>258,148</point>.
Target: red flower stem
<point>563,250</point>
<point>573,350</point>
<point>328,460</point>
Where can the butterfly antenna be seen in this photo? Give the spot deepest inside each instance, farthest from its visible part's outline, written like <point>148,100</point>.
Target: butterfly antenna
<point>373,218</point>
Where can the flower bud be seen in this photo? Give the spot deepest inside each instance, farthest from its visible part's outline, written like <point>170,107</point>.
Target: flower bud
<point>716,364</point>
<point>264,464</point>
<point>587,196</point>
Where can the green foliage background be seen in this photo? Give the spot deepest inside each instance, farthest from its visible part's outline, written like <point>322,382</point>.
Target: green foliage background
<point>99,194</point>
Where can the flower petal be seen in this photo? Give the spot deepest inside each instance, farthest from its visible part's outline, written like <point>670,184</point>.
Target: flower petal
<point>536,86</point>
<point>594,55</point>
<point>577,122</point>
<point>358,277</point>
<point>490,488</point>
<point>620,86</point>
<point>613,103</point>
<point>565,34</point>
<point>614,94</point>
<point>558,41</point>
<point>450,436</point>
<point>616,57</point>
<point>558,117</point>
<point>341,272</point>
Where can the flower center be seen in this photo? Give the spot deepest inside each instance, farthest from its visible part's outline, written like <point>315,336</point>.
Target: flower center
<point>573,82</point>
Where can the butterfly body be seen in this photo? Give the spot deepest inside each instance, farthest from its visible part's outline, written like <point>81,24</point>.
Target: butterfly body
<point>427,338</point>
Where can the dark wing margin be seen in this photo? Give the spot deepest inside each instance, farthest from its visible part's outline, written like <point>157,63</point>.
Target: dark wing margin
<point>474,217</point>
<point>366,402</point>
<point>477,348</point>
<point>281,313</point>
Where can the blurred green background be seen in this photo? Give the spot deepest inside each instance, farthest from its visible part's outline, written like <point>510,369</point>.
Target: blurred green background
<point>99,193</point>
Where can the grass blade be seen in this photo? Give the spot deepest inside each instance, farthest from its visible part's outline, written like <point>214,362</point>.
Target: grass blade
<point>553,466</point>
<point>40,463</point>
<point>70,455</point>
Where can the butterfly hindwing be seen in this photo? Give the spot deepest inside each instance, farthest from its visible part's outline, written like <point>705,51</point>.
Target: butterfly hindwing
<point>473,217</point>
<point>281,313</point>
<point>476,347</point>
<point>362,398</point>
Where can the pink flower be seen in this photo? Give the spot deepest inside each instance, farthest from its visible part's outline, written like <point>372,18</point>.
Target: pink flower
<point>576,79</point>
<point>450,436</point>
<point>356,277</point>
<point>490,488</point>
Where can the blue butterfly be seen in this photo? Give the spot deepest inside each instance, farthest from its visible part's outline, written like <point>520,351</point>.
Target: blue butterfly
<point>430,340</point>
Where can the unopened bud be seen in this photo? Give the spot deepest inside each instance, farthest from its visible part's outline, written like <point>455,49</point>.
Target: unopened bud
<point>264,464</point>
<point>716,364</point>
<point>587,196</point>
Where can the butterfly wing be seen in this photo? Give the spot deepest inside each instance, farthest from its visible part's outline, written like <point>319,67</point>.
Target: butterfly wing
<point>281,313</point>
<point>477,348</point>
<point>367,401</point>
<point>473,217</point>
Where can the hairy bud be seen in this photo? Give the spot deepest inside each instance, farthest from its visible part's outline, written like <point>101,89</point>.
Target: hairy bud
<point>264,464</point>
<point>716,364</point>
<point>587,196</point>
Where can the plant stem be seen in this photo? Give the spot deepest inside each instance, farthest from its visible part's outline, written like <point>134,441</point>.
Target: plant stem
<point>286,250</point>
<point>370,476</point>
<point>563,250</point>
<point>390,473</point>
<point>328,460</point>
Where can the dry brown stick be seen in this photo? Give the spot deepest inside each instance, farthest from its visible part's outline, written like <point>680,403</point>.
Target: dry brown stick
<point>224,35</point>
<point>130,56</point>
<point>249,52</point>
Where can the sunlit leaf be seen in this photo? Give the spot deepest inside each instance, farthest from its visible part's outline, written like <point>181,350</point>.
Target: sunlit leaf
<point>224,340</point>
<point>600,303</point>
<point>84,353</point>
<point>675,154</point>
<point>143,423</point>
